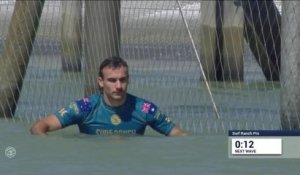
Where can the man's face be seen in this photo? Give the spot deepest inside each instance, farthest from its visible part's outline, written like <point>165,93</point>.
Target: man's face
<point>114,85</point>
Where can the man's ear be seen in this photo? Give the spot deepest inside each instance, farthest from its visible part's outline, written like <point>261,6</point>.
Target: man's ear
<point>100,82</point>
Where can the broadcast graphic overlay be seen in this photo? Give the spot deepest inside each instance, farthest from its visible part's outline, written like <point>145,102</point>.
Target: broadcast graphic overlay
<point>264,143</point>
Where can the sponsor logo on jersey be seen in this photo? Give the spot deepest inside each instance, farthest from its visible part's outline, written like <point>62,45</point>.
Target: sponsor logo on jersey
<point>167,119</point>
<point>62,112</point>
<point>160,116</point>
<point>74,107</point>
<point>111,132</point>
<point>115,119</point>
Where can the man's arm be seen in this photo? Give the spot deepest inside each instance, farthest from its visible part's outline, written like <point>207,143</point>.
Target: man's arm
<point>176,131</point>
<point>44,125</point>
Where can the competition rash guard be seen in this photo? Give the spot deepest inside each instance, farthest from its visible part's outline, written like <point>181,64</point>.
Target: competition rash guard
<point>94,116</point>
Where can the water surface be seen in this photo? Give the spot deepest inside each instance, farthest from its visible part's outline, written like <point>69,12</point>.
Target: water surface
<point>67,152</point>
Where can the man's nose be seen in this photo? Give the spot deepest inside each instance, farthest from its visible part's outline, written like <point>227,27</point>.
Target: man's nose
<point>118,84</point>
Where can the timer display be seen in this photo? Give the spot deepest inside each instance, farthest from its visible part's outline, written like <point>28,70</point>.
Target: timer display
<point>264,143</point>
<point>244,144</point>
<point>256,146</point>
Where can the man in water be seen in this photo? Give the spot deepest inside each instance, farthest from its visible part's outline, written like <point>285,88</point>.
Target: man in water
<point>112,110</point>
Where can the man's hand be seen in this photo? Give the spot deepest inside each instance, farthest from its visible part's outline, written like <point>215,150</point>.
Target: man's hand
<point>177,132</point>
<point>44,125</point>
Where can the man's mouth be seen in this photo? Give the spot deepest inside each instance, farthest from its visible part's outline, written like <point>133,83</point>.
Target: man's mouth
<point>118,93</point>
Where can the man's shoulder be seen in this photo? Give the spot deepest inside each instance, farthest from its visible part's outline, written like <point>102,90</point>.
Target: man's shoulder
<point>133,99</point>
<point>87,103</point>
<point>142,105</point>
<point>95,97</point>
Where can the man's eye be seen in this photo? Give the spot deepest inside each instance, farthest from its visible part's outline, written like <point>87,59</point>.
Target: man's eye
<point>112,80</point>
<point>123,80</point>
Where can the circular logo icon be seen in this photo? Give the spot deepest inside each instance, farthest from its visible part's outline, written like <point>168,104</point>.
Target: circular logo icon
<point>10,152</point>
<point>115,119</point>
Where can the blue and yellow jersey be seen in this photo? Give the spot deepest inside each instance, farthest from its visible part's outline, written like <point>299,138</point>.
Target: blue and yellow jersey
<point>94,116</point>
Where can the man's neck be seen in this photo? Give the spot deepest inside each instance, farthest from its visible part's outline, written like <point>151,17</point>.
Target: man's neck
<point>114,103</point>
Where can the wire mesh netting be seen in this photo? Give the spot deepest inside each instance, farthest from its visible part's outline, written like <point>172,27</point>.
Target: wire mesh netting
<point>162,61</point>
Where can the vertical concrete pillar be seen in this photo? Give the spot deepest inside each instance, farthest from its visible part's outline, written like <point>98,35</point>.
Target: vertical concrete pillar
<point>262,31</point>
<point>290,72</point>
<point>102,31</point>
<point>233,42</point>
<point>16,53</point>
<point>208,38</point>
<point>219,40</point>
<point>71,35</point>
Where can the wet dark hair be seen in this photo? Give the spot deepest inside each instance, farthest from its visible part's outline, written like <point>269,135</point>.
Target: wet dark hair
<point>113,62</point>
